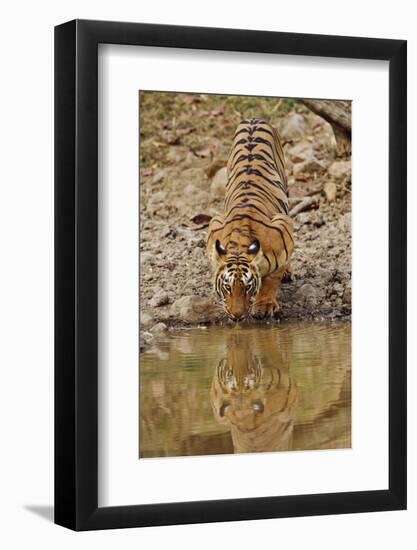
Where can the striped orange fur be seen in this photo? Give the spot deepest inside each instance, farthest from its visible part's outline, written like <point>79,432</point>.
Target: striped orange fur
<point>251,243</point>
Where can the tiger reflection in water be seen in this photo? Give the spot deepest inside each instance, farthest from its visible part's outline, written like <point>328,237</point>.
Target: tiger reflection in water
<point>252,392</point>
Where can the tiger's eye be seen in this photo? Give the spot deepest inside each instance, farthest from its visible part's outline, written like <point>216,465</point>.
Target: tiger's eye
<point>258,406</point>
<point>220,248</point>
<point>223,409</point>
<point>254,246</point>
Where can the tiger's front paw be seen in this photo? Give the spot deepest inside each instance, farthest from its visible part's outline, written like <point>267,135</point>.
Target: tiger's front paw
<point>264,310</point>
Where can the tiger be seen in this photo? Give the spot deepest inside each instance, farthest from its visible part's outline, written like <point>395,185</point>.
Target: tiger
<point>253,393</point>
<point>251,243</point>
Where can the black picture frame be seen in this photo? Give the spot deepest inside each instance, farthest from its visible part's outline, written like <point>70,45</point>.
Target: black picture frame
<point>76,272</point>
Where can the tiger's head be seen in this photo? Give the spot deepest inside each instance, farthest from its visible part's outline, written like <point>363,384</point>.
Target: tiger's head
<point>252,391</point>
<point>237,279</point>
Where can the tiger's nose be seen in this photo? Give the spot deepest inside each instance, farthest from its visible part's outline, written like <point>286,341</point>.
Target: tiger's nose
<point>237,316</point>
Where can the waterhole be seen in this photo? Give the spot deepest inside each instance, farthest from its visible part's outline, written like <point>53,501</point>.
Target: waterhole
<point>261,388</point>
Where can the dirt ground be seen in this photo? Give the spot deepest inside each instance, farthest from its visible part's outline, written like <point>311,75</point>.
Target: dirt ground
<point>184,145</point>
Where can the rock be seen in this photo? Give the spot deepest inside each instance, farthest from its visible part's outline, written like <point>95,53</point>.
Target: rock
<point>300,152</point>
<point>198,241</point>
<point>146,319</point>
<point>347,294</point>
<point>157,198</point>
<point>169,137</point>
<point>317,219</point>
<point>166,264</point>
<point>306,293</point>
<point>146,258</point>
<point>142,343</point>
<point>294,126</point>
<point>158,177</point>
<point>215,167</point>
<point>311,218</point>
<point>159,328</point>
<point>192,191</point>
<point>148,338</point>
<point>326,143</point>
<point>176,154</point>
<point>195,309</point>
<point>169,232</point>
<point>202,197</point>
<point>341,169</point>
<point>160,298</point>
<point>218,184</point>
<point>189,191</point>
<point>330,191</point>
<point>303,218</point>
<point>345,222</point>
<point>310,164</point>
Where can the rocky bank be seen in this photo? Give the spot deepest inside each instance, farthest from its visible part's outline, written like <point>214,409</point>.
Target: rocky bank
<point>184,149</point>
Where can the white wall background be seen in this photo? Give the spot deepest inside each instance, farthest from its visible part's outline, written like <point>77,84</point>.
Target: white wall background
<point>26,286</point>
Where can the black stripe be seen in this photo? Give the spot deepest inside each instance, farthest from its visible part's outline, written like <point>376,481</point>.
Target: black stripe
<point>234,154</point>
<point>285,246</point>
<point>241,131</point>
<point>256,195</point>
<point>275,183</point>
<point>236,229</point>
<point>234,176</point>
<point>268,159</point>
<point>248,217</point>
<point>259,139</point>
<point>216,220</point>
<point>248,169</point>
<point>288,233</point>
<point>288,395</point>
<point>252,157</point>
<point>251,194</point>
<point>235,261</point>
<point>250,183</point>
<point>276,261</point>
<point>260,129</point>
<point>269,263</point>
<point>272,379</point>
<point>283,205</point>
<point>268,168</point>
<point>266,153</point>
<point>249,205</point>
<point>239,159</point>
<point>277,152</point>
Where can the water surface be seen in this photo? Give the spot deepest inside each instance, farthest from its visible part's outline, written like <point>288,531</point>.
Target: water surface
<point>257,388</point>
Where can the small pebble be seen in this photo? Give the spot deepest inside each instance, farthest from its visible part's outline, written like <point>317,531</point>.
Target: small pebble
<point>159,328</point>
<point>159,299</point>
<point>146,319</point>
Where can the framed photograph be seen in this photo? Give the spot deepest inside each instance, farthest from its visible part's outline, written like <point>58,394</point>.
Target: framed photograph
<point>230,252</point>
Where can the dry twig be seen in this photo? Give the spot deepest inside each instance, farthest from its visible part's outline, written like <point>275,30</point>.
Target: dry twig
<point>305,204</point>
